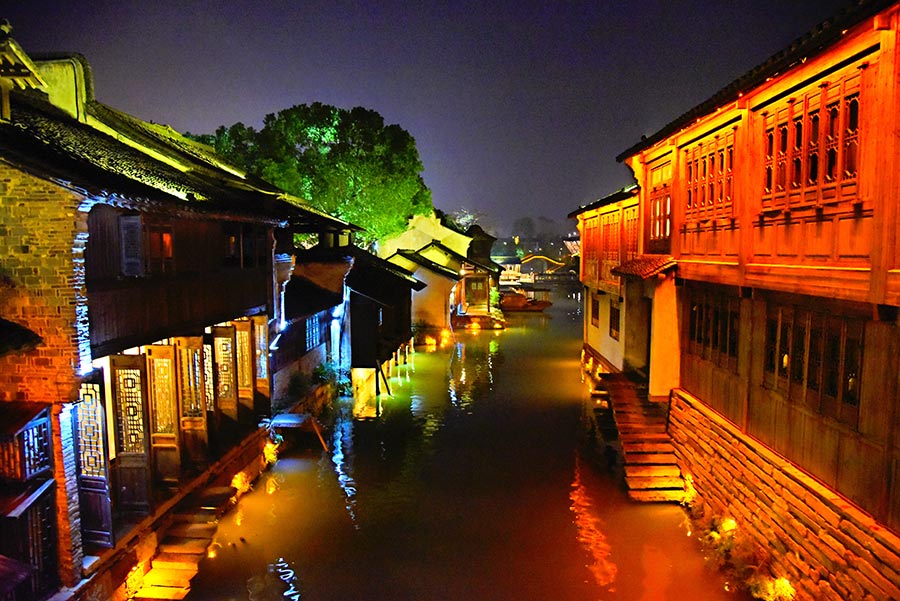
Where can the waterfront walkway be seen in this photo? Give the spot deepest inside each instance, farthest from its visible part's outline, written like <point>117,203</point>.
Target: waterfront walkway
<point>651,472</point>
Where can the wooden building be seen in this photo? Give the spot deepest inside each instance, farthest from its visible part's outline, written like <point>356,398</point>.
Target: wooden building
<point>374,324</point>
<point>767,284</point>
<point>137,299</point>
<point>608,229</point>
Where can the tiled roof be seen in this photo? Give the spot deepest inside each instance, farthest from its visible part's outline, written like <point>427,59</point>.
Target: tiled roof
<point>645,266</point>
<point>492,268</point>
<point>621,194</point>
<point>820,38</point>
<point>166,171</point>
<point>427,263</point>
<point>16,339</point>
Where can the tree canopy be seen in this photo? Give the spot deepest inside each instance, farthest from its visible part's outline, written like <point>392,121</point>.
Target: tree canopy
<point>347,163</point>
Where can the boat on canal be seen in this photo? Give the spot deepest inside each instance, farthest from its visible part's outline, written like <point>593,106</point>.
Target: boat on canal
<point>518,300</point>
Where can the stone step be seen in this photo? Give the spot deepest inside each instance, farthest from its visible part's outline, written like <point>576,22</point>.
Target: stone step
<point>657,496</point>
<point>214,497</point>
<point>638,437</point>
<point>161,592</point>
<point>184,546</point>
<point>195,516</point>
<point>655,482</point>
<point>649,471</point>
<point>649,447</point>
<point>176,561</point>
<point>649,458</point>
<point>192,530</point>
<point>172,577</point>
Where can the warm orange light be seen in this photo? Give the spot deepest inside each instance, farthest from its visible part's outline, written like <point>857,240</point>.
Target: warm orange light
<point>728,525</point>
<point>474,326</point>
<point>270,452</point>
<point>430,341</point>
<point>241,482</point>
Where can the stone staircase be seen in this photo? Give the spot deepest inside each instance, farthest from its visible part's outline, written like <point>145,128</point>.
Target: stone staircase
<point>651,472</point>
<point>184,544</point>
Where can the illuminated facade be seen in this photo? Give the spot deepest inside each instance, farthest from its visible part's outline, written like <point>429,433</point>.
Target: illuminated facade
<point>770,212</point>
<point>457,267</point>
<point>608,231</point>
<point>138,285</point>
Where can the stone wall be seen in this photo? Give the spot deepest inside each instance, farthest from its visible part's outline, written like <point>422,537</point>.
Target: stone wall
<point>823,544</point>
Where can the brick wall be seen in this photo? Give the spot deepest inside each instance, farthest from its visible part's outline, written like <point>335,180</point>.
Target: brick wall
<point>823,544</point>
<point>38,223</point>
<point>41,288</point>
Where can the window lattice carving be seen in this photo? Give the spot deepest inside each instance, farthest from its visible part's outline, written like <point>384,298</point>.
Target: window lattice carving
<point>131,417</point>
<point>164,410</point>
<point>811,146</point>
<point>224,365</point>
<point>90,432</point>
<point>192,391</point>
<point>262,353</point>
<point>245,363</point>
<point>208,390</point>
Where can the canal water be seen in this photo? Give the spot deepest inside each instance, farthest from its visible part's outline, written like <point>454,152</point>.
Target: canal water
<point>470,482</point>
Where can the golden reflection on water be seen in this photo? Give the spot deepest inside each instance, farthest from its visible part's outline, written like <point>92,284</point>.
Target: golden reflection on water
<point>590,533</point>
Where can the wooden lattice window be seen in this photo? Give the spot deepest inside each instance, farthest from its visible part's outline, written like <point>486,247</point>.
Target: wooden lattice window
<point>26,453</point>
<point>131,427</point>
<point>90,414</point>
<point>224,364</point>
<point>815,358</point>
<point>245,359</point>
<point>811,146</point>
<point>190,361</point>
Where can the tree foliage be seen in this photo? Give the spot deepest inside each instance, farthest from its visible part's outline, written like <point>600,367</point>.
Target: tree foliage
<point>347,163</point>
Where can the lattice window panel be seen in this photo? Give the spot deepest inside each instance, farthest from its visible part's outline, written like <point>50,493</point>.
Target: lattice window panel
<point>131,416</point>
<point>192,392</point>
<point>262,353</point>
<point>245,363</point>
<point>224,362</point>
<point>208,390</point>
<point>164,409</point>
<point>90,432</point>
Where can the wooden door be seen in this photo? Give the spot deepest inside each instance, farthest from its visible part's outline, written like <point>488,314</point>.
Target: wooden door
<point>246,380</point>
<point>225,365</point>
<point>213,415</point>
<point>93,467</point>
<point>133,444</point>
<point>165,443</point>
<point>261,362</point>
<point>192,406</point>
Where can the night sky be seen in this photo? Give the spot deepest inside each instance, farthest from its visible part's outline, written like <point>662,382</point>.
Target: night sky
<point>518,108</point>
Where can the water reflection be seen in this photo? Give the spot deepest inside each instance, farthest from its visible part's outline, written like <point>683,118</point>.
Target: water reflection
<point>467,483</point>
<point>590,532</point>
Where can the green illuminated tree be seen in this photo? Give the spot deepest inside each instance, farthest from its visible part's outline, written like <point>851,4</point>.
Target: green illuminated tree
<point>345,162</point>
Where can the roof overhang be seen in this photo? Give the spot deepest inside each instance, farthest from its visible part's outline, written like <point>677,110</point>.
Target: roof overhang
<point>17,339</point>
<point>645,266</point>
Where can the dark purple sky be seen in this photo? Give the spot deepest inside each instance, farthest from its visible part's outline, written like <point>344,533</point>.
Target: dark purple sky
<point>518,108</point>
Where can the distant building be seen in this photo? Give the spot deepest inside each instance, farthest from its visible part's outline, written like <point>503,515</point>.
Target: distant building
<point>430,244</point>
<point>767,287</point>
